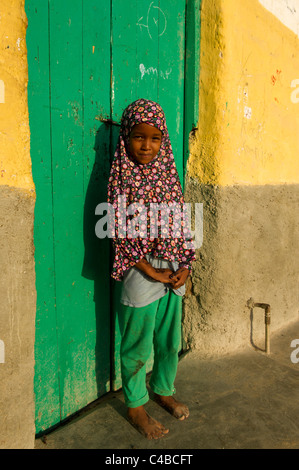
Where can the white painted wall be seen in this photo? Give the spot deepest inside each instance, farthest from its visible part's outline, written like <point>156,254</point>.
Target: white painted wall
<point>287,11</point>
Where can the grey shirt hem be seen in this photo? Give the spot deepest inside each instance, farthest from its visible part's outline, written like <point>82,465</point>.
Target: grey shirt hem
<point>153,299</point>
<point>139,290</point>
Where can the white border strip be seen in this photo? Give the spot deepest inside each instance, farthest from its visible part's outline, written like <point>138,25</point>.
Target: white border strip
<point>287,11</point>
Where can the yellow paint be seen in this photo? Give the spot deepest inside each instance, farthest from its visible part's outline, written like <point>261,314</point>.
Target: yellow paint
<point>248,98</point>
<point>15,162</point>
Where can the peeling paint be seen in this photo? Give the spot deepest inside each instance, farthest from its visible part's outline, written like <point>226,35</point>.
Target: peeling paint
<point>247,112</point>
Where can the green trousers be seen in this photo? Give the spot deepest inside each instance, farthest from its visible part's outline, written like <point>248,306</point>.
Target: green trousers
<point>156,325</point>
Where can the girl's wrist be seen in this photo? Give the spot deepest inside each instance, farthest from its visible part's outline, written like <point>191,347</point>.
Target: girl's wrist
<point>144,266</point>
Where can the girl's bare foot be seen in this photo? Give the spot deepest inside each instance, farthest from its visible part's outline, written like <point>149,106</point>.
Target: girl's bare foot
<point>174,407</point>
<point>145,424</point>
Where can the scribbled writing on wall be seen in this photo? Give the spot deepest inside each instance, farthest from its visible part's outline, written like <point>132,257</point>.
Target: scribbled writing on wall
<point>154,22</point>
<point>153,71</point>
<point>2,92</point>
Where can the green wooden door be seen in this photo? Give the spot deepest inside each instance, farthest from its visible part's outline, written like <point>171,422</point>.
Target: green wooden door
<point>87,60</point>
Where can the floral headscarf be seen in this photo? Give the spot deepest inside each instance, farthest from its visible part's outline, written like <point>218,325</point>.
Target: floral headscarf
<point>155,182</point>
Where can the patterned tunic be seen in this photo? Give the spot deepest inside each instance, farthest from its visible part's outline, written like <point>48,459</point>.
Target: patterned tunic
<point>148,187</point>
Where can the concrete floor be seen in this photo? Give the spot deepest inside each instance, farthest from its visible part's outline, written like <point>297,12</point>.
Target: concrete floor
<point>247,400</point>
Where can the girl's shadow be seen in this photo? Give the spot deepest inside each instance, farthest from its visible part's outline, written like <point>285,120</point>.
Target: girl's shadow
<point>97,252</point>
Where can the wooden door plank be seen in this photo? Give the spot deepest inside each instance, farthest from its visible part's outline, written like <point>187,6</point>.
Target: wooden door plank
<point>66,123</point>
<point>46,361</point>
<point>127,86</point>
<point>148,40</point>
<point>172,73</point>
<point>123,50</point>
<point>192,65</point>
<point>96,156</point>
<point>147,51</point>
<point>123,92</point>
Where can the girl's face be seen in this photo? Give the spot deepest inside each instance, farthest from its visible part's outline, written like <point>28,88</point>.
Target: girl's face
<point>144,142</point>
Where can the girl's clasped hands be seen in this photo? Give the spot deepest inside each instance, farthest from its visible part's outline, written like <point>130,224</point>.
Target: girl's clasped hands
<point>175,278</point>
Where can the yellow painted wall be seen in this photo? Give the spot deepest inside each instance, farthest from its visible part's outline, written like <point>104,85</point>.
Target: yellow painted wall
<point>249,97</point>
<point>15,162</point>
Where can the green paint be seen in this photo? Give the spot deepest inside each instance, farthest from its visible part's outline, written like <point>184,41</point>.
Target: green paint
<point>87,61</point>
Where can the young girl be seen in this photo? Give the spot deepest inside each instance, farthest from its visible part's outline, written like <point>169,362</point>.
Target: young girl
<point>153,269</point>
